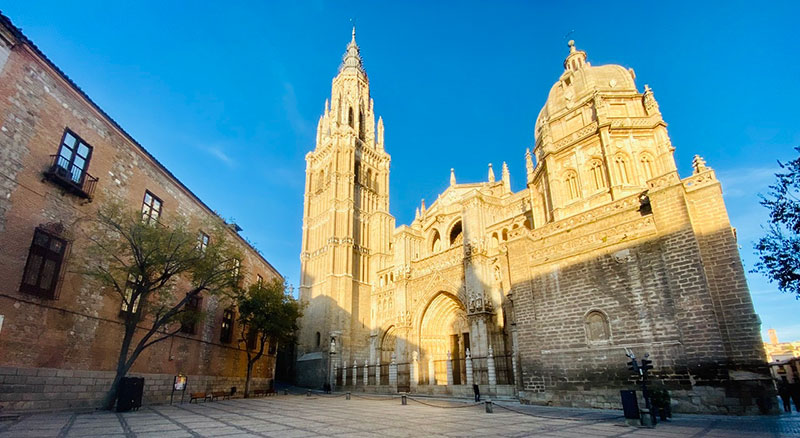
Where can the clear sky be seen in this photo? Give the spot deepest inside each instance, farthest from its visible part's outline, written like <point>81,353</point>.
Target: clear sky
<point>227,94</point>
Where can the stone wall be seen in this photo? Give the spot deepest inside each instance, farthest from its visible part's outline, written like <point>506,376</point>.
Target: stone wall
<point>37,389</point>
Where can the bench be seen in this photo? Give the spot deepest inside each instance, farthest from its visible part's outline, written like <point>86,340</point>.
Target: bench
<point>259,392</point>
<point>270,392</point>
<point>220,394</point>
<point>198,396</point>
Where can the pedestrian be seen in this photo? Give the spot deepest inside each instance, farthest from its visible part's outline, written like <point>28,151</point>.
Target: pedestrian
<point>477,392</point>
<point>785,394</point>
<point>794,393</point>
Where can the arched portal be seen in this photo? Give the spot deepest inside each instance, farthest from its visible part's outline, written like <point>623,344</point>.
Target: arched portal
<point>443,328</point>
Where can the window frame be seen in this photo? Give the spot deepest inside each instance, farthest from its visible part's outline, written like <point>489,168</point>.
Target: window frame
<point>202,242</point>
<point>128,294</point>
<point>46,253</point>
<point>226,333</point>
<point>196,306</point>
<point>147,217</point>
<point>71,160</point>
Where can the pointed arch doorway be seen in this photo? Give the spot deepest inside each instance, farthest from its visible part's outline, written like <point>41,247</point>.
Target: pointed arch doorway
<point>443,328</point>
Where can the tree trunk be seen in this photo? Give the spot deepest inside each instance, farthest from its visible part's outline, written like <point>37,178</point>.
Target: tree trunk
<point>247,379</point>
<point>111,396</point>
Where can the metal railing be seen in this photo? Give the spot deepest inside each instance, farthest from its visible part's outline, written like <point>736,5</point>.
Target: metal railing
<point>71,177</point>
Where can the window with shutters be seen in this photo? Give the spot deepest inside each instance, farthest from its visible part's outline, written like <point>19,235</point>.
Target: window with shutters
<point>43,268</point>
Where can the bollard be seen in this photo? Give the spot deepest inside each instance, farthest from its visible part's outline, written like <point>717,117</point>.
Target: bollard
<point>403,398</point>
<point>308,393</point>
<point>489,408</point>
<point>285,392</point>
<point>347,396</point>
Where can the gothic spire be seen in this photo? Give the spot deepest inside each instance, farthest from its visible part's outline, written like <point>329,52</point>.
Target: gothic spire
<point>351,61</point>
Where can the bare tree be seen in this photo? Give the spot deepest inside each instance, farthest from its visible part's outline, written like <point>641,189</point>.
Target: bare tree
<point>156,268</point>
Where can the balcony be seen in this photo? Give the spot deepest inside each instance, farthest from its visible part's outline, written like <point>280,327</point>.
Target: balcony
<point>70,177</point>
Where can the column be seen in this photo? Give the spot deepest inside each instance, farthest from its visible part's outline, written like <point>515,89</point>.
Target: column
<point>355,372</point>
<point>468,362</point>
<point>344,372</point>
<point>517,380</point>
<point>492,372</point>
<point>378,371</point>
<point>449,369</point>
<point>366,372</point>
<point>431,370</point>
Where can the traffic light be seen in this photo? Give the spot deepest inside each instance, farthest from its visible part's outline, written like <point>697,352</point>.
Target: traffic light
<point>633,366</point>
<point>646,365</point>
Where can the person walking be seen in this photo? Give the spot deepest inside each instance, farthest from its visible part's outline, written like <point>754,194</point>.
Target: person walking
<point>785,394</point>
<point>477,391</point>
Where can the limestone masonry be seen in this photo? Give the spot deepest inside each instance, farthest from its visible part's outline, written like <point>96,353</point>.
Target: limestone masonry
<point>534,293</point>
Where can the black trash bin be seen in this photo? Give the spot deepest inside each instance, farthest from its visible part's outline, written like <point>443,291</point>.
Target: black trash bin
<point>130,393</point>
<point>630,406</point>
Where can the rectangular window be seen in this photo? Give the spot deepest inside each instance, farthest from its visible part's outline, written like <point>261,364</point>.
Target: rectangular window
<point>192,305</point>
<point>43,267</point>
<point>151,208</point>
<point>252,337</point>
<point>259,280</point>
<point>126,305</point>
<point>226,334</point>
<point>202,242</point>
<point>73,158</point>
<point>237,267</point>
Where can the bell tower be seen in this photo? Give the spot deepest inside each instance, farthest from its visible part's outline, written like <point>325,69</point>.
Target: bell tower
<point>346,223</point>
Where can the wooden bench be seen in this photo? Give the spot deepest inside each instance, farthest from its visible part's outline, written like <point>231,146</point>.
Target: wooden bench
<point>220,394</point>
<point>269,392</point>
<point>259,392</point>
<point>199,396</point>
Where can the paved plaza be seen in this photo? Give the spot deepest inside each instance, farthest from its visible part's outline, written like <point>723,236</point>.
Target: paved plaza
<point>293,416</point>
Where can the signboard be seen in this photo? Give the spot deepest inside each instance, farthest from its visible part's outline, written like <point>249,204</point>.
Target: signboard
<point>180,382</point>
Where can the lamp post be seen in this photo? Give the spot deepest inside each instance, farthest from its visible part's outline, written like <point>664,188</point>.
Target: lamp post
<point>330,364</point>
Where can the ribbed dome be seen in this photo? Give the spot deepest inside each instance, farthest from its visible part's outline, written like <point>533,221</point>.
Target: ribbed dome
<point>581,78</point>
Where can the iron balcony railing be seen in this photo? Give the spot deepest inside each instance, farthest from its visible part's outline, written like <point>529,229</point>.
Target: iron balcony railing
<point>71,177</point>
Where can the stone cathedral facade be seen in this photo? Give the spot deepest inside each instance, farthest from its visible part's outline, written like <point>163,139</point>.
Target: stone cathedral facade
<point>535,293</point>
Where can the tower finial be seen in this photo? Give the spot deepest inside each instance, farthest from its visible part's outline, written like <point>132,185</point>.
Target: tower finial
<point>571,44</point>
<point>354,31</point>
<point>452,176</point>
<point>491,173</point>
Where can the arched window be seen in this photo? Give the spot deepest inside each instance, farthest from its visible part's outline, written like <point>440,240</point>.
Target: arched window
<point>648,167</point>
<point>596,175</point>
<point>596,325</point>
<point>350,120</point>
<point>621,169</point>
<point>495,241</point>
<point>436,242</point>
<point>361,125</point>
<point>505,234</point>
<point>455,234</point>
<point>571,185</point>
<point>319,339</point>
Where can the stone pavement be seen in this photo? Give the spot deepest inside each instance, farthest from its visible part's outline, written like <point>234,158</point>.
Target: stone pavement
<point>293,416</point>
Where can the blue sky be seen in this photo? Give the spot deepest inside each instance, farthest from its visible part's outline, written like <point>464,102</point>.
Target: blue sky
<point>228,97</point>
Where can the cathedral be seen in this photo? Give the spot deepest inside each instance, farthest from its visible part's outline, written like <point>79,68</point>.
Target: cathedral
<point>537,294</point>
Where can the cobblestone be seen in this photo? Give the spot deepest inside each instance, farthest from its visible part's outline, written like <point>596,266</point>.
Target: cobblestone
<point>300,416</point>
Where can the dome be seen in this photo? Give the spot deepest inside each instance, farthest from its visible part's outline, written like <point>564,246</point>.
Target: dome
<point>581,78</point>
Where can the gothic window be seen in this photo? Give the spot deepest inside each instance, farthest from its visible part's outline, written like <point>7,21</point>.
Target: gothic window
<point>361,125</point>
<point>648,167</point>
<point>151,208</point>
<point>596,325</point>
<point>596,175</point>
<point>43,267</point>
<point>456,235</point>
<point>571,185</point>
<point>226,332</point>
<point>621,169</point>
<point>350,120</point>
<point>495,240</point>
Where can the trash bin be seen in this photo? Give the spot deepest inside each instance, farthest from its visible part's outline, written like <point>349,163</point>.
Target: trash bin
<point>130,393</point>
<point>630,406</point>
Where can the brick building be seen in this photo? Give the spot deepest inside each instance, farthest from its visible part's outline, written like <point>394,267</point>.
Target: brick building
<point>535,293</point>
<point>61,156</point>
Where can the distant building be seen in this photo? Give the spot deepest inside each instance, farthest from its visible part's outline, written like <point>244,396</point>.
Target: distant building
<point>533,293</point>
<point>61,156</point>
<point>779,351</point>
